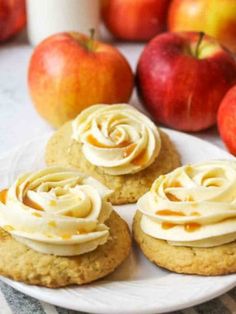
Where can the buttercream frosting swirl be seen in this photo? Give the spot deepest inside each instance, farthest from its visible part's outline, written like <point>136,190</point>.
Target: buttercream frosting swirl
<point>57,211</point>
<point>193,205</point>
<point>118,138</point>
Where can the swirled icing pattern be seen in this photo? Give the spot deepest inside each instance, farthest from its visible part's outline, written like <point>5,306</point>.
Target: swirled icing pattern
<point>57,211</point>
<point>193,205</point>
<point>118,138</point>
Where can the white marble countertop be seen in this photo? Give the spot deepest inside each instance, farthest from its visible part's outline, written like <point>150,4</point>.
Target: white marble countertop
<point>19,121</point>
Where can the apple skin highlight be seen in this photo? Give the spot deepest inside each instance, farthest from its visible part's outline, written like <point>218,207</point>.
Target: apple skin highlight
<point>179,88</point>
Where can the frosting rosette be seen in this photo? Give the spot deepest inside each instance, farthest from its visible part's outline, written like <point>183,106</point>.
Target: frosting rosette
<point>57,211</point>
<point>193,205</point>
<point>118,138</point>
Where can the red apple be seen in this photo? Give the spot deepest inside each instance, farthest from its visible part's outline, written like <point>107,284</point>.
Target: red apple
<point>70,71</point>
<point>214,17</point>
<point>182,78</point>
<point>227,120</point>
<point>12,18</point>
<point>135,19</point>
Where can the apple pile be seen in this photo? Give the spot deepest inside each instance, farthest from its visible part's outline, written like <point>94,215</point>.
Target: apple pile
<point>12,18</point>
<point>143,19</point>
<point>182,76</point>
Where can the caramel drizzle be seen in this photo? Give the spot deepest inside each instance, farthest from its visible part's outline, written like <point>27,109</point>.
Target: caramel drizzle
<point>189,227</point>
<point>3,196</point>
<point>141,159</point>
<point>93,141</point>
<point>28,202</point>
<point>68,236</point>
<point>128,149</point>
<point>172,197</point>
<point>167,225</point>
<point>176,184</point>
<point>81,231</point>
<point>168,212</point>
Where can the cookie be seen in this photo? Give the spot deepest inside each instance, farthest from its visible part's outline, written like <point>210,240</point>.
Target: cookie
<point>21,263</point>
<point>61,149</point>
<point>212,261</point>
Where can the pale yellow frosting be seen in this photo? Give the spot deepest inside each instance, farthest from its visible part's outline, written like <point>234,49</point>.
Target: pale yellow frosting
<point>57,211</point>
<point>118,138</point>
<point>193,205</point>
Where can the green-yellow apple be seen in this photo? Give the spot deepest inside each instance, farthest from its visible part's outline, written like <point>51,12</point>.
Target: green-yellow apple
<point>70,71</point>
<point>214,17</point>
<point>227,120</point>
<point>135,19</point>
<point>182,78</point>
<point>12,18</point>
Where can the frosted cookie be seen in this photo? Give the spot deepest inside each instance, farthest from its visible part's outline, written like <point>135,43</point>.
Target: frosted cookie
<point>57,229</point>
<point>117,145</point>
<point>187,221</point>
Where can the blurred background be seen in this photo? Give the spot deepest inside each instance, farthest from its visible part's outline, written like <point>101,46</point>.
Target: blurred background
<point>173,59</point>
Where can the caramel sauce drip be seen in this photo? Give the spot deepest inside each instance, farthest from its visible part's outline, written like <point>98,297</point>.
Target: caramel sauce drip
<point>189,227</point>
<point>28,202</point>
<point>129,149</point>
<point>141,159</point>
<point>69,213</point>
<point>225,219</point>
<point>124,144</point>
<point>168,212</point>
<point>3,196</point>
<point>117,135</point>
<point>81,231</point>
<point>93,141</point>
<point>172,197</point>
<point>167,225</point>
<point>176,184</point>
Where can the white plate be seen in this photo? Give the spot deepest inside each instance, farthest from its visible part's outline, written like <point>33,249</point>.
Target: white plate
<point>137,286</point>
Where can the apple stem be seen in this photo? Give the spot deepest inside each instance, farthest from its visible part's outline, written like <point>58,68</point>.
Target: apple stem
<point>90,44</point>
<point>201,35</point>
